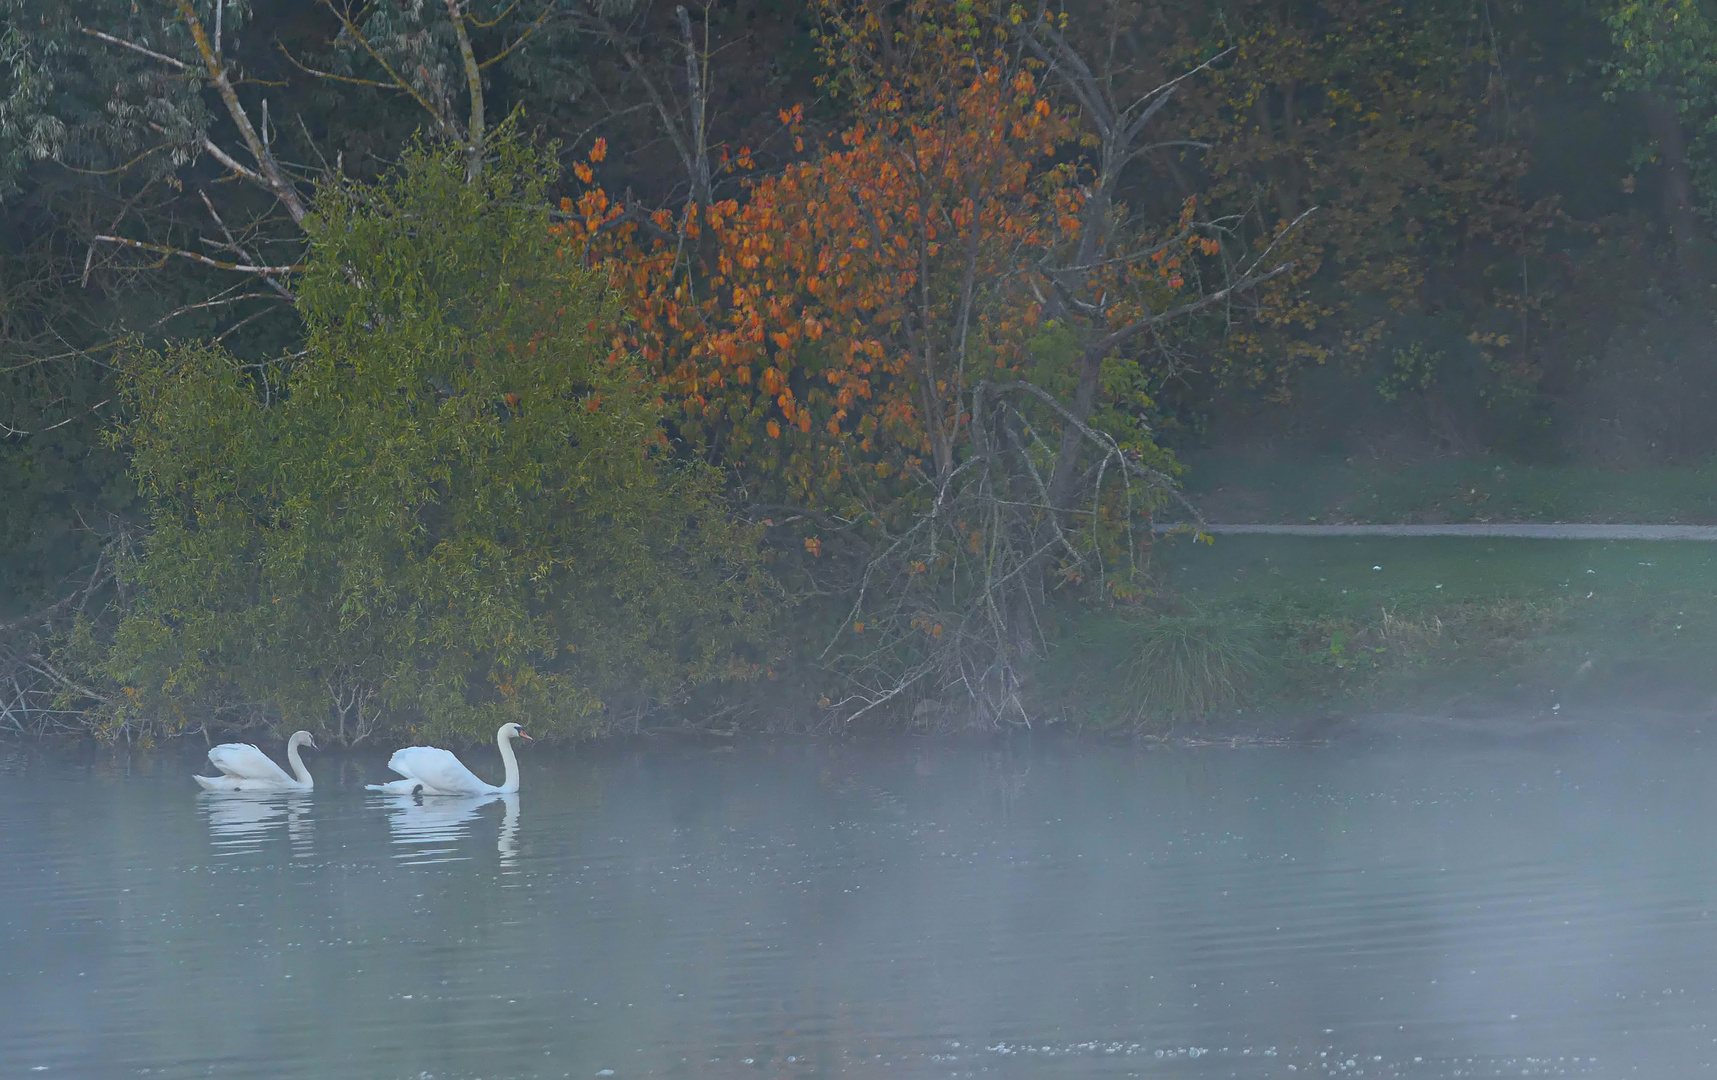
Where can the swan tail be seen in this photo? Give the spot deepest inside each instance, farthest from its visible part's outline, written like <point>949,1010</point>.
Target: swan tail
<point>215,783</point>
<point>398,787</point>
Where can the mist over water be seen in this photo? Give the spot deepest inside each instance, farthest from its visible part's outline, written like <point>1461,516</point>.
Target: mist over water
<point>1038,908</point>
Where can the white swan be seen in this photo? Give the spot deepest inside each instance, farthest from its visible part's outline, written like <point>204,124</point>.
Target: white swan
<point>429,770</point>
<point>245,768</point>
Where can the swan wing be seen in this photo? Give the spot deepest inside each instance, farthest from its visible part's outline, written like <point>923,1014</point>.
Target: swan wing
<point>243,761</point>
<point>438,770</point>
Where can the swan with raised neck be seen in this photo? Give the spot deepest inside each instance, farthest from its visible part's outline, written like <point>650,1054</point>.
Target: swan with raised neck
<point>430,770</point>
<point>243,767</point>
<point>299,772</point>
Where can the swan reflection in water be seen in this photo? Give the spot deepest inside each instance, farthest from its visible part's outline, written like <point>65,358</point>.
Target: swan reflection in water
<point>241,823</point>
<point>431,829</point>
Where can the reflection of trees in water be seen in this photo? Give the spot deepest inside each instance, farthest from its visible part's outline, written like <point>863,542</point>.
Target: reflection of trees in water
<point>240,823</point>
<point>431,829</point>
<point>1004,776</point>
<point>913,784</point>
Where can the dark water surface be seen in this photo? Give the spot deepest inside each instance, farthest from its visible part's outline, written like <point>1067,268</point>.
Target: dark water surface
<point>806,909</point>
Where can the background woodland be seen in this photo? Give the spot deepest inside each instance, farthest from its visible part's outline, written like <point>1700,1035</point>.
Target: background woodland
<point>403,364</point>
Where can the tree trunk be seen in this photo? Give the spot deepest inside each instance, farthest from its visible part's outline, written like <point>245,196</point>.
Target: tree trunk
<point>1072,439</point>
<point>1677,192</point>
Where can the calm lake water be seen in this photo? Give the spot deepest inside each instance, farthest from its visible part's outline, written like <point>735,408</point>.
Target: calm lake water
<point>805,909</point>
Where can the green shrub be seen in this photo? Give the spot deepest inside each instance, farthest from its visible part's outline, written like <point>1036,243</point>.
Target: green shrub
<point>452,509</point>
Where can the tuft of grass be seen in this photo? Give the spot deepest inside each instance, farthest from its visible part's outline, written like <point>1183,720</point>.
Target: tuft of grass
<point>1184,667</point>
<point>1331,652</point>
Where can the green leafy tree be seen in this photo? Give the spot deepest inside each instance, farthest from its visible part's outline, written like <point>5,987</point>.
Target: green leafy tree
<point>1386,126</point>
<point>157,159</point>
<point>452,507</point>
<point>1666,58</point>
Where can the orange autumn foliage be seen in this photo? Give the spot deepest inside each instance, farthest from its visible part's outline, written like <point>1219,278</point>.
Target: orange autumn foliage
<point>823,331</point>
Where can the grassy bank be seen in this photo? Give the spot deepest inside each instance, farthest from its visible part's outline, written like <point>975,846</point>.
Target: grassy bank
<point>1268,625</point>
<point>1337,490</point>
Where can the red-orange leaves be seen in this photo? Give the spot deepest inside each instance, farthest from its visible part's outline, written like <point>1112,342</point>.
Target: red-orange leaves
<point>833,317</point>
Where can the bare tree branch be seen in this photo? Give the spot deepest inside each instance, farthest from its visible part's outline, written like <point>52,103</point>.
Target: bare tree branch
<point>399,82</point>
<point>671,122</point>
<point>474,86</point>
<point>696,72</point>
<point>332,76</point>
<point>134,47</point>
<point>218,302</point>
<point>162,249</point>
<point>270,173</point>
<point>41,666</point>
<point>524,35</point>
<point>1115,339</point>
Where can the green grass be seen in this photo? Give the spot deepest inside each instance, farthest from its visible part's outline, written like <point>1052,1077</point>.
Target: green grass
<point>1184,667</point>
<point>1242,490</point>
<point>1366,622</point>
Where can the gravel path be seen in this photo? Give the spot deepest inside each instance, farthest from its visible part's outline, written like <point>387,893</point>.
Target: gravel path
<point>1512,531</point>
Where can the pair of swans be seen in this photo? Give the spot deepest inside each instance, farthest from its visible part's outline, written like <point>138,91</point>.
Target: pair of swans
<point>426,770</point>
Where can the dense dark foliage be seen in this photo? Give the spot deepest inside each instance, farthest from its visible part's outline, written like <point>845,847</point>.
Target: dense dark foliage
<point>1456,227</point>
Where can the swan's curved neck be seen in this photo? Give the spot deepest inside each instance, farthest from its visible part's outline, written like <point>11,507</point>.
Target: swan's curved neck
<point>297,763</point>
<point>511,763</point>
